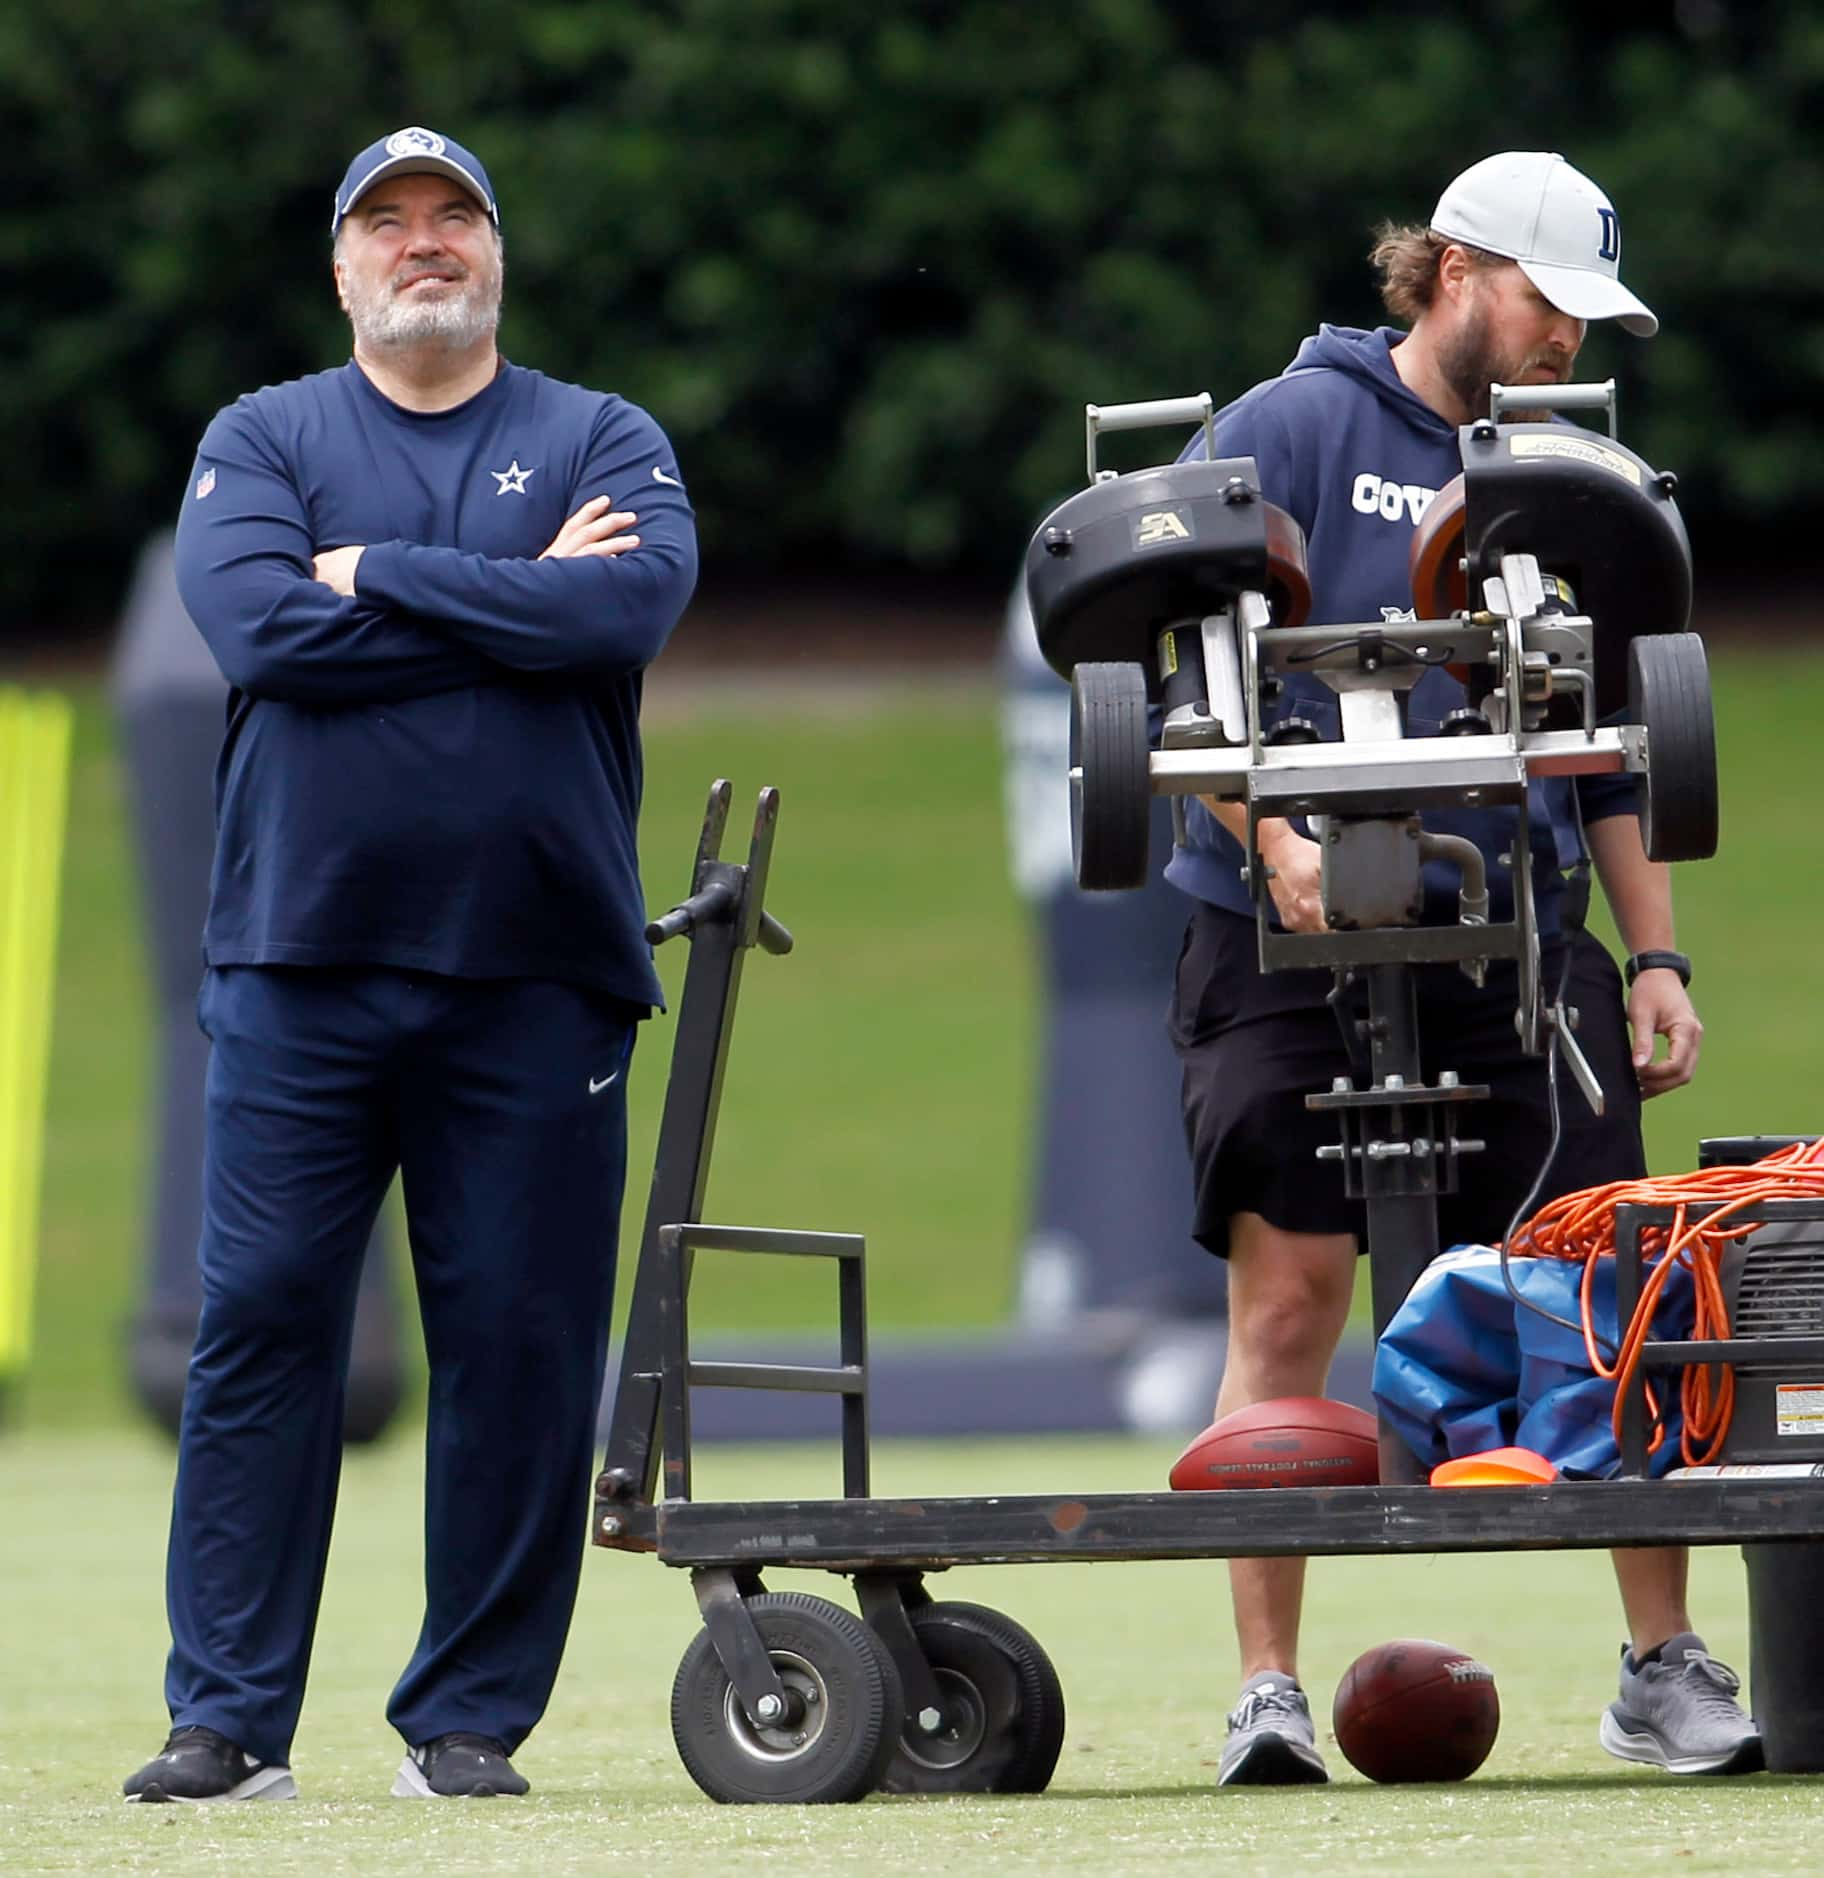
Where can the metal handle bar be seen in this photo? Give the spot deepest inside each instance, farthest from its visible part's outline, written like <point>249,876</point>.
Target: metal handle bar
<point>1554,398</point>
<point>714,902</point>
<point>1147,414</point>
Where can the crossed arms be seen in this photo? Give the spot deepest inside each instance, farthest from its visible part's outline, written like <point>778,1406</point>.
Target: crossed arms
<point>387,621</point>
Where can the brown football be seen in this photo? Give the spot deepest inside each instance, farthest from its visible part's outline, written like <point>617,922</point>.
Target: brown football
<point>1414,1710</point>
<point>1292,1441</point>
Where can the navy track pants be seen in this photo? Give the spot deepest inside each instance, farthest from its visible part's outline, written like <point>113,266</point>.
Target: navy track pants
<point>502,1104</point>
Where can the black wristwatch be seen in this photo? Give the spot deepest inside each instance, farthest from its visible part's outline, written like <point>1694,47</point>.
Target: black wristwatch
<point>1658,961</point>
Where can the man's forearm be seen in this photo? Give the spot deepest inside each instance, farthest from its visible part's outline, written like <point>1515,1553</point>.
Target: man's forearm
<point>1234,817</point>
<point>544,615</point>
<point>277,637</point>
<point>1639,891</point>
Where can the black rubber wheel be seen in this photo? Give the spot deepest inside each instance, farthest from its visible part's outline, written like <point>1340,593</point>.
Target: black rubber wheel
<point>1669,694</point>
<point>840,1747</point>
<point>1003,1702</point>
<point>1111,794</point>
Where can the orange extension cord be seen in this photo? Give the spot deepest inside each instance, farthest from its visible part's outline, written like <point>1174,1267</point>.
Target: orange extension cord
<point>1581,1227</point>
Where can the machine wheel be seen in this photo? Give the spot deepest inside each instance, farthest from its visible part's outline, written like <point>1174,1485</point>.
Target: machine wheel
<point>1111,793</point>
<point>1003,1701</point>
<point>837,1750</point>
<point>1669,694</point>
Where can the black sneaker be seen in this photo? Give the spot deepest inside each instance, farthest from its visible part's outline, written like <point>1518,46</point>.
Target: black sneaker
<point>457,1767</point>
<point>198,1764</point>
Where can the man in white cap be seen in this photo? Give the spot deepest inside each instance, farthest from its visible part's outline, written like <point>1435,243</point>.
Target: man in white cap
<point>433,580</point>
<point>1354,439</point>
<point>1538,256</point>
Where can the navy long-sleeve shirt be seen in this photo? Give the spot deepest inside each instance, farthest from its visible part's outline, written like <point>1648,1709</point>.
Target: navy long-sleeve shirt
<point>442,773</point>
<point>1355,458</point>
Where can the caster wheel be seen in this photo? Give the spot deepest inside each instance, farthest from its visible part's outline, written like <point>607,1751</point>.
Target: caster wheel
<point>1004,1708</point>
<point>833,1746</point>
<point>1111,801</point>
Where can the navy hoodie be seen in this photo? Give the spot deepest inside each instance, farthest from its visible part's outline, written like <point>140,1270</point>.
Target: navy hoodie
<point>441,774</point>
<point>1355,458</point>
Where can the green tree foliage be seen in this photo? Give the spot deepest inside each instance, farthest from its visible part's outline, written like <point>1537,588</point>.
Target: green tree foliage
<point>866,264</point>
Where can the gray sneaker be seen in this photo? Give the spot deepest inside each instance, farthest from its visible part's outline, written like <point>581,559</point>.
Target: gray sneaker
<point>1271,1741</point>
<point>1681,1713</point>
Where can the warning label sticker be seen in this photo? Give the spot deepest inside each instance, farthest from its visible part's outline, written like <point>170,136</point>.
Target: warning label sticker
<point>1580,450</point>
<point>1798,1408</point>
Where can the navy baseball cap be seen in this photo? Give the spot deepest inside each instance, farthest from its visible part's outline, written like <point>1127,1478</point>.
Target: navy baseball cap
<point>413,151</point>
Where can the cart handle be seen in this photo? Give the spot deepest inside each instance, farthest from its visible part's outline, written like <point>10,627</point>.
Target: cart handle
<point>1146,415</point>
<point>716,901</point>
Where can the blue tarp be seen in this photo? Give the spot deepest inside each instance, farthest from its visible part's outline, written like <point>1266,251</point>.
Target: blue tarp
<point>1463,1368</point>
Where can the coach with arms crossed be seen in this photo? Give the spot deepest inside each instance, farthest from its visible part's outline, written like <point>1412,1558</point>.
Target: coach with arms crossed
<point>433,580</point>
<point>1354,439</point>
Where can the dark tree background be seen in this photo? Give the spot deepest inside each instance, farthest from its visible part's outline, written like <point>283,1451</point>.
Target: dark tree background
<point>866,264</point>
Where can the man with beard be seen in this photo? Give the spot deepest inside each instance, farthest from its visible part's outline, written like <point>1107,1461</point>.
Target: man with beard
<point>1354,439</point>
<point>433,580</point>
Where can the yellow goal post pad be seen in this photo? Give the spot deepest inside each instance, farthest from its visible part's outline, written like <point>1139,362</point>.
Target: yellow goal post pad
<point>34,790</point>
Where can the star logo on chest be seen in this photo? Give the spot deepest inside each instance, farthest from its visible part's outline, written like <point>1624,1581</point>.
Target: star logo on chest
<point>513,480</point>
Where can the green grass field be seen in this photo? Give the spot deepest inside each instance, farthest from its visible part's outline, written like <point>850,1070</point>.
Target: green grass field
<point>1144,1652</point>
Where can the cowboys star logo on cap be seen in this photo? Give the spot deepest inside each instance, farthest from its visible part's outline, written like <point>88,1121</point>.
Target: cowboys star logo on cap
<point>413,151</point>
<point>414,141</point>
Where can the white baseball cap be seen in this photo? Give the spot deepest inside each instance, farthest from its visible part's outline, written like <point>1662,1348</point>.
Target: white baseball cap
<point>1532,207</point>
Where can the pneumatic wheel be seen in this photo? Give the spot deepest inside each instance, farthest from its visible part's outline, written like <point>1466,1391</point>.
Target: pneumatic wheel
<point>1003,1708</point>
<point>1669,695</point>
<point>833,1745</point>
<point>1111,788</point>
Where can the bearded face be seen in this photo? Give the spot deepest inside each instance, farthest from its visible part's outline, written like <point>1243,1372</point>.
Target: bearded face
<point>420,267</point>
<point>1509,334</point>
<point>434,300</point>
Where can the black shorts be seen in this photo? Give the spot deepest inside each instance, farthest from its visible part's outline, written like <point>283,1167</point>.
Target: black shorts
<point>1254,1044</point>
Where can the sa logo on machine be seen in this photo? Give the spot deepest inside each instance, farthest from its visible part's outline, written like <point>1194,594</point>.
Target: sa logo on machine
<point>1158,525</point>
